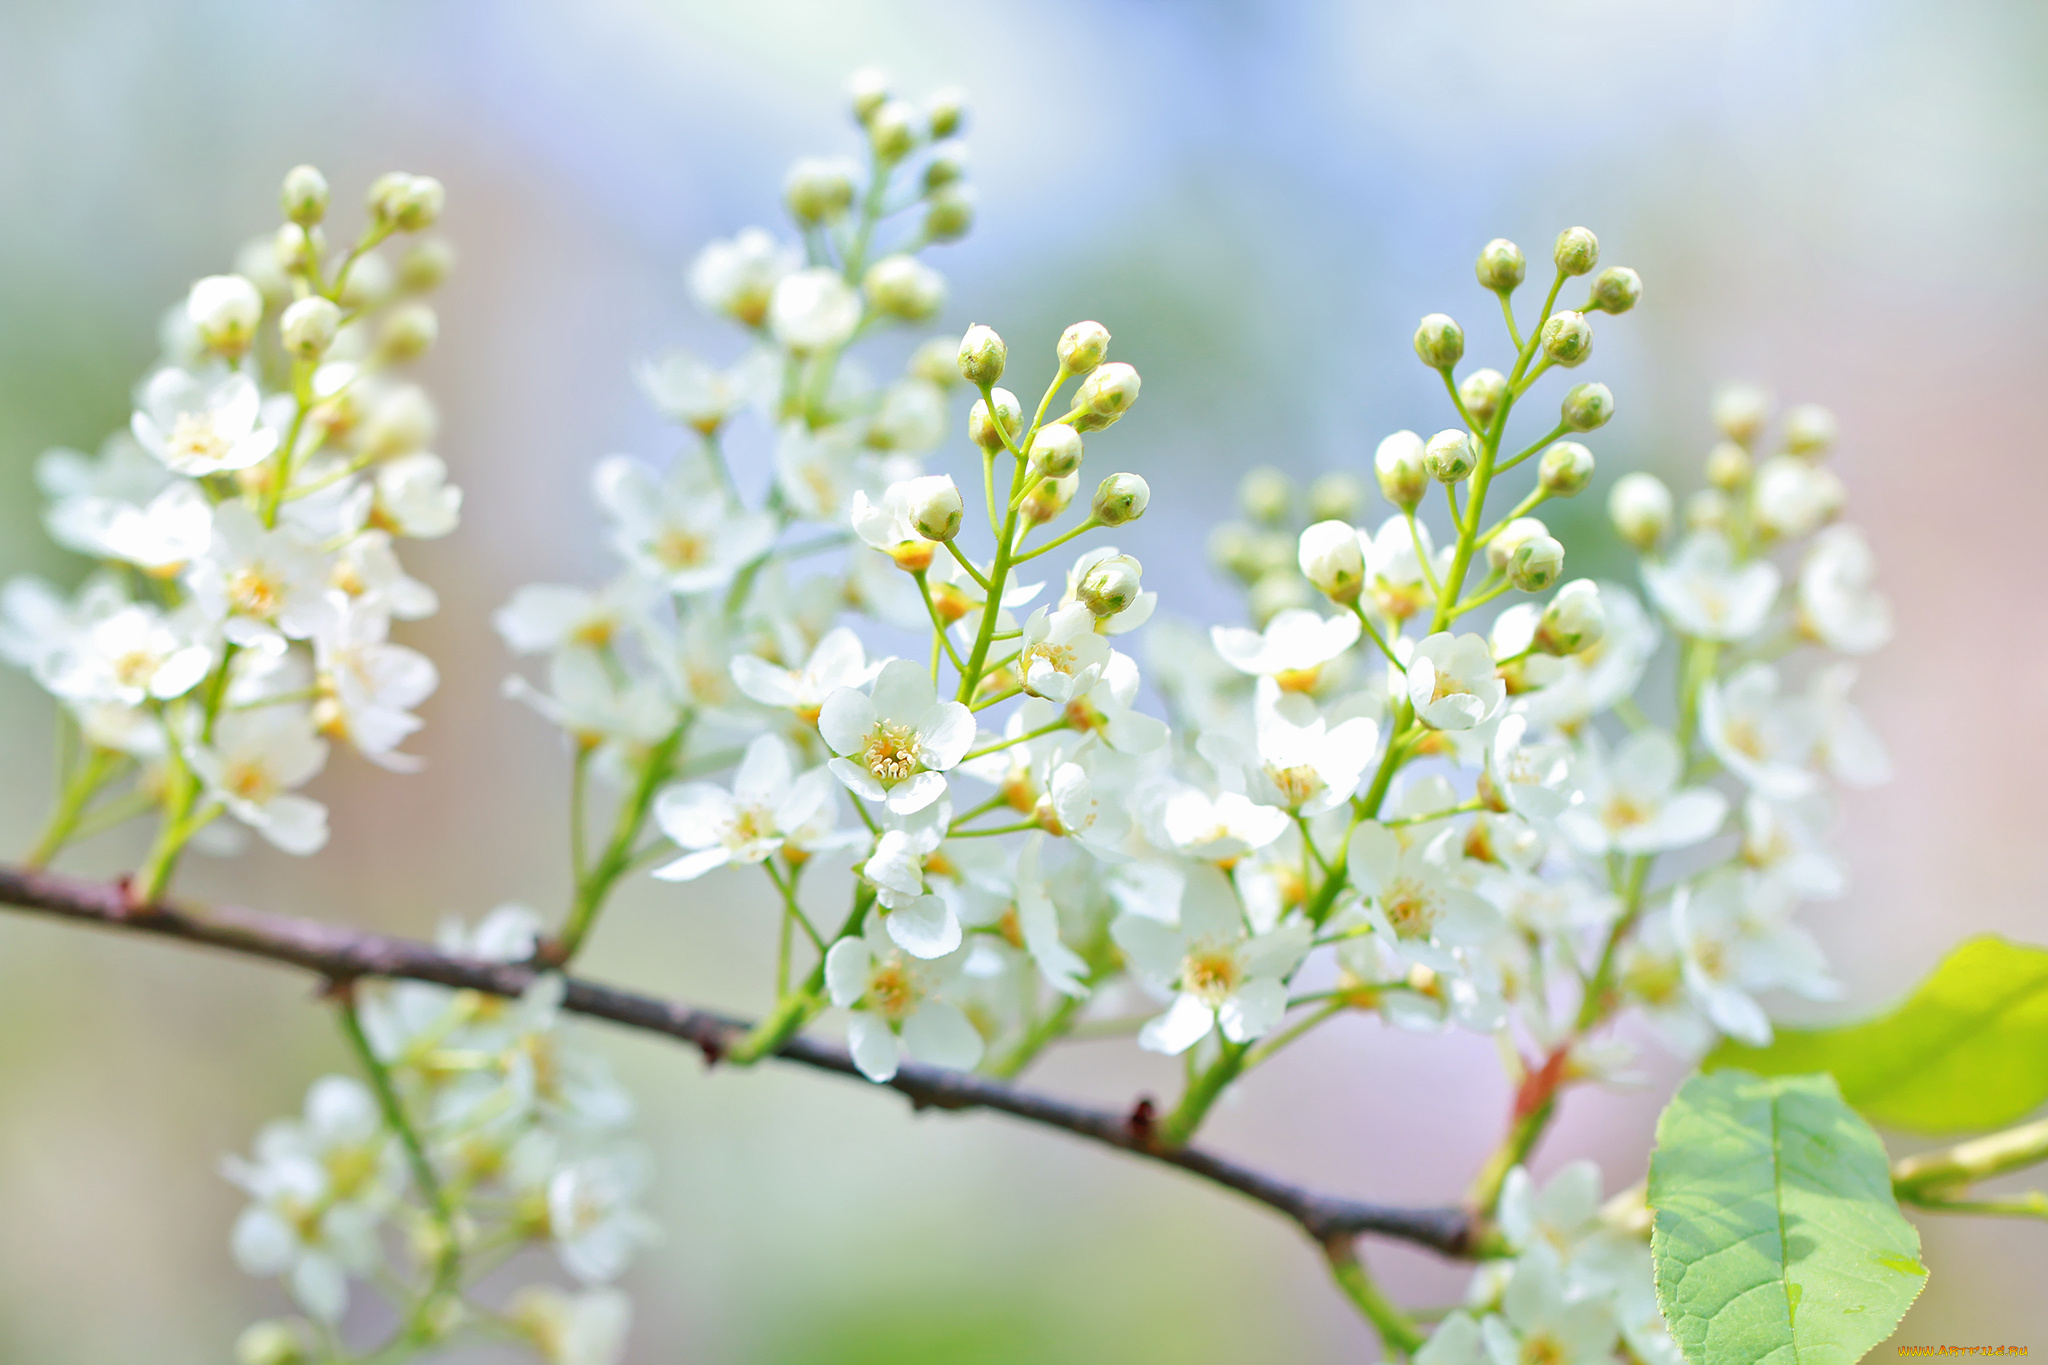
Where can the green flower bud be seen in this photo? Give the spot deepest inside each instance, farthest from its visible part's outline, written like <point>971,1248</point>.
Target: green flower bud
<point>1336,496</point>
<point>1055,451</point>
<point>948,166</point>
<point>818,190</point>
<point>1615,290</point>
<point>1105,395</point>
<point>1587,407</point>
<point>409,332</point>
<point>308,327</point>
<point>1233,548</point>
<point>1706,510</point>
<point>1331,557</point>
<point>1640,507</point>
<point>273,1342</point>
<point>1439,342</point>
<point>949,213</point>
<point>1450,455</point>
<point>1047,501</point>
<point>1398,464</point>
<point>1578,251</point>
<point>1501,266</point>
<point>296,248</point>
<point>1082,347</point>
<point>1009,411</point>
<point>936,507</point>
<point>982,356</point>
<point>1809,430</point>
<point>304,195</point>
<point>1502,547</point>
<point>946,110</point>
<point>1265,494</point>
<point>892,131</point>
<point>1121,498</point>
<point>409,203</point>
<point>1565,469</point>
<point>1573,621</point>
<point>1536,564</point>
<point>1740,411</point>
<point>1567,338</point>
<point>901,286</point>
<point>1111,585</point>
<point>1481,392</point>
<point>867,91</point>
<point>933,361</point>
<point>1729,466</point>
<point>224,310</point>
<point>425,265</point>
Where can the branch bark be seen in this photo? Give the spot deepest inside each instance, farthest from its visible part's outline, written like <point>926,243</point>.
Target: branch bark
<point>344,954</point>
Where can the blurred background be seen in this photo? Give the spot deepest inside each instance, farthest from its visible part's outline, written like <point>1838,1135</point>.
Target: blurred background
<point>1840,200</point>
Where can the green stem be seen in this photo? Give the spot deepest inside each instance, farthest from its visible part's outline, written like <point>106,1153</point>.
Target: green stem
<point>1594,1006</point>
<point>1398,1333</point>
<point>796,1008</point>
<point>1002,744</point>
<point>448,1260</point>
<point>1050,545</point>
<point>1932,1175</point>
<point>1513,1150</point>
<point>78,792</point>
<point>1696,670</point>
<point>1202,1093</point>
<point>1274,1042</point>
<point>1053,1025</point>
<point>998,575</point>
<point>595,885</point>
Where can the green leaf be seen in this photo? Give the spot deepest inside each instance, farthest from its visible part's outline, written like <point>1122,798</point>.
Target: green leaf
<point>1777,1238</point>
<point>1967,1051</point>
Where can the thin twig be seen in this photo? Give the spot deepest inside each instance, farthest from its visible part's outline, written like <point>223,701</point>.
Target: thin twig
<point>342,954</point>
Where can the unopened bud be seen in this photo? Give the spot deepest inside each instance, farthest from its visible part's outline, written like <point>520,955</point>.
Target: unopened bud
<point>1055,451</point>
<point>1049,499</point>
<point>224,310</point>
<point>947,166</point>
<point>1337,495</point>
<point>304,195</point>
<point>1578,251</point>
<point>982,356</point>
<point>1587,407</point>
<point>1265,494</point>
<point>409,332</point>
<point>867,91</point>
<point>1502,547</point>
<point>1009,412</point>
<point>1332,559</point>
<point>904,287</point>
<point>946,110</point>
<point>1450,455</point>
<point>1729,466</point>
<point>1398,464</point>
<point>1565,469</point>
<point>1536,563</point>
<point>1809,429</point>
<point>1481,392</point>
<point>1082,347</point>
<point>1740,411</point>
<point>1706,510</point>
<point>818,190</point>
<point>407,202</point>
<point>1111,585</point>
<point>1501,266</point>
<point>949,213</point>
<point>1439,342</point>
<point>1574,621</point>
<point>296,248</point>
<point>1233,548</point>
<point>1105,395</point>
<point>271,1343</point>
<point>1567,338</point>
<point>892,130</point>
<point>1640,507</point>
<point>934,361</point>
<point>1121,498</point>
<point>308,327</point>
<point>1615,290</point>
<point>425,265</point>
<point>935,506</point>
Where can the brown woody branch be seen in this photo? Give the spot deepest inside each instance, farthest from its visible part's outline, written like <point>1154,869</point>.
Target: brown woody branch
<point>343,954</point>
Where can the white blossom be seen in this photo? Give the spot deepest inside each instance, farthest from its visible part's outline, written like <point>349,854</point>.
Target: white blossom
<point>896,740</point>
<point>199,426</point>
<point>1219,976</point>
<point>1703,592</point>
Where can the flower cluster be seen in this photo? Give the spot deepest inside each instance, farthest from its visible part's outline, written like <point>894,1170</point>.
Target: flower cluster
<point>482,1131</point>
<point>246,524</point>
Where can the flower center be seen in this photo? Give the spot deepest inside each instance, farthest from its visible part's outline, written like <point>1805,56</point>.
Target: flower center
<point>891,753</point>
<point>891,991</point>
<point>1211,973</point>
<point>750,823</point>
<point>1298,679</point>
<point>134,668</point>
<point>1543,1349</point>
<point>1297,784</point>
<point>194,438</point>
<point>1624,812</point>
<point>1060,658</point>
<point>1746,739</point>
<point>676,548</point>
<point>1410,908</point>
<point>253,592</point>
<point>249,781</point>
